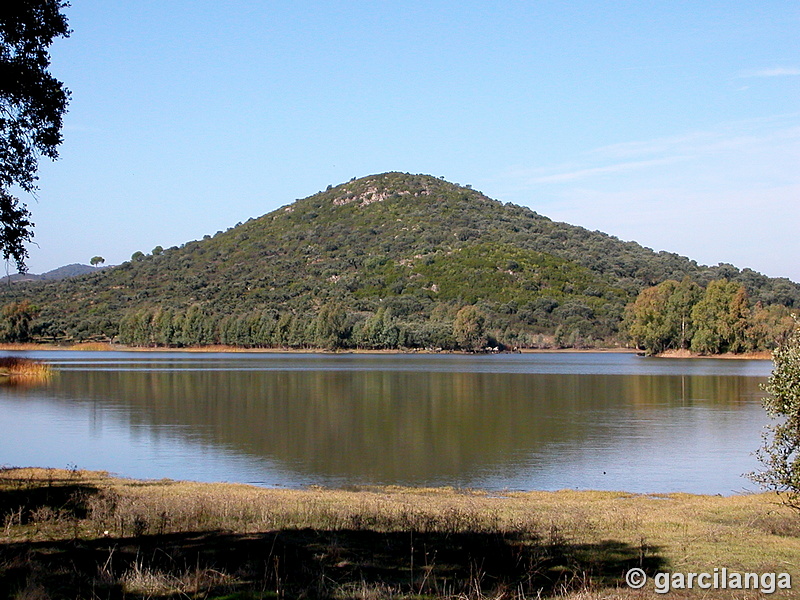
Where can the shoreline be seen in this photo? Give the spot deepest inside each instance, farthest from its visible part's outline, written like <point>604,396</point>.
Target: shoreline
<point>108,347</point>
<point>51,474</point>
<point>763,355</point>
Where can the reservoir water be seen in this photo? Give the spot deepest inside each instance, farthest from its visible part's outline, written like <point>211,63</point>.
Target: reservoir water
<point>510,421</point>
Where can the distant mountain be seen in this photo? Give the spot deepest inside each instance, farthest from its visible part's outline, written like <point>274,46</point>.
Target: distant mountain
<point>382,261</point>
<point>58,274</point>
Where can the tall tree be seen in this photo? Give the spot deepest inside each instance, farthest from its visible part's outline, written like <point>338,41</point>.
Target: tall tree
<point>15,323</point>
<point>330,327</point>
<point>32,105</point>
<point>721,318</point>
<point>738,320</point>
<point>770,327</point>
<point>468,328</point>
<point>646,318</point>
<point>679,308</point>
<point>661,317</point>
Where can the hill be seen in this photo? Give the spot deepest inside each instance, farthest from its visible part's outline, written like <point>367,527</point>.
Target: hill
<point>383,261</point>
<point>64,272</point>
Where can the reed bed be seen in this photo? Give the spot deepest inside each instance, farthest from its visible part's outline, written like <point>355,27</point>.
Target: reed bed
<point>93,347</point>
<point>24,370</point>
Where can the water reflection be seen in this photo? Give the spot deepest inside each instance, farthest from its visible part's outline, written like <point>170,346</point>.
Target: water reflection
<point>425,426</point>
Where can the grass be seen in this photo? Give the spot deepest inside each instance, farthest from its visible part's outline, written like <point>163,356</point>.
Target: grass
<point>83,346</point>
<point>17,370</point>
<point>93,346</point>
<point>77,534</point>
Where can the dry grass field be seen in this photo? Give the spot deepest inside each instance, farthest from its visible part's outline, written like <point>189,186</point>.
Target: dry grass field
<point>78,534</point>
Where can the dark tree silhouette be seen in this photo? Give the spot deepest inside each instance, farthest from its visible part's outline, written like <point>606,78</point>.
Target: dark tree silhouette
<point>32,106</point>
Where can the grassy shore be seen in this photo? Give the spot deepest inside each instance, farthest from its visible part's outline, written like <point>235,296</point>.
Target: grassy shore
<point>78,534</point>
<point>763,355</point>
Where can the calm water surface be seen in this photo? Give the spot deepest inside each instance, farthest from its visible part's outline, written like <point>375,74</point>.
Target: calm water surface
<point>529,421</point>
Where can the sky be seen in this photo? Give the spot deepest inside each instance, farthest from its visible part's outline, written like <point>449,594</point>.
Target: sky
<point>675,124</point>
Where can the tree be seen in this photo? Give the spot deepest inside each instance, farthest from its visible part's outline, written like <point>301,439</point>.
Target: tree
<point>770,326</point>
<point>97,260</point>
<point>16,321</point>
<point>371,334</point>
<point>330,327</point>
<point>679,307</point>
<point>468,328</point>
<point>738,320</point>
<point>780,453</point>
<point>647,321</point>
<point>721,318</point>
<point>661,317</point>
<point>32,106</point>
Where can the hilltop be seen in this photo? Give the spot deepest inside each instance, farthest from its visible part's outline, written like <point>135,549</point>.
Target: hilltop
<point>73,270</point>
<point>383,261</point>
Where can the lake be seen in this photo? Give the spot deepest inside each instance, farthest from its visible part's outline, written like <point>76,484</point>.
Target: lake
<point>610,421</point>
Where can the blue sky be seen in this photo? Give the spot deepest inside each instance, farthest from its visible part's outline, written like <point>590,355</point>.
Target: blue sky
<point>675,124</point>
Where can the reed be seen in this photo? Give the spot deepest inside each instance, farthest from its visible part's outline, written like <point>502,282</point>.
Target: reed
<point>93,347</point>
<point>17,369</point>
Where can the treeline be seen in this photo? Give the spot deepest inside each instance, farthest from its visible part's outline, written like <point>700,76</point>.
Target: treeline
<point>331,327</point>
<point>334,327</point>
<point>718,319</point>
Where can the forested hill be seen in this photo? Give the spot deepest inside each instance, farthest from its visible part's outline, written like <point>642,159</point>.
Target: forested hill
<point>383,261</point>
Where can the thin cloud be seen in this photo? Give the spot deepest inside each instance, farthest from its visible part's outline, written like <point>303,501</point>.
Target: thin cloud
<point>750,154</point>
<point>732,136</point>
<point>773,72</point>
<point>667,145</point>
<point>608,169</point>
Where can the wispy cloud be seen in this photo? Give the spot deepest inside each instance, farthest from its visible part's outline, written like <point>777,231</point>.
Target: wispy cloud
<point>724,194</point>
<point>773,72</point>
<point>768,140</point>
<point>678,144</point>
<point>573,175</point>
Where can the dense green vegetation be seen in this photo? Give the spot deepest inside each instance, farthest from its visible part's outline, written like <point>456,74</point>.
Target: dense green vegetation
<point>721,318</point>
<point>385,261</point>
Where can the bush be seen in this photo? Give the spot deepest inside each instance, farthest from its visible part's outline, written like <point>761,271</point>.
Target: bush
<point>780,453</point>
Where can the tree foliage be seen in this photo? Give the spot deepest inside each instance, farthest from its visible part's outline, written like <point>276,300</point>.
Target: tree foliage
<point>780,453</point>
<point>661,317</point>
<point>719,319</point>
<point>468,328</point>
<point>32,106</point>
<point>15,321</point>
